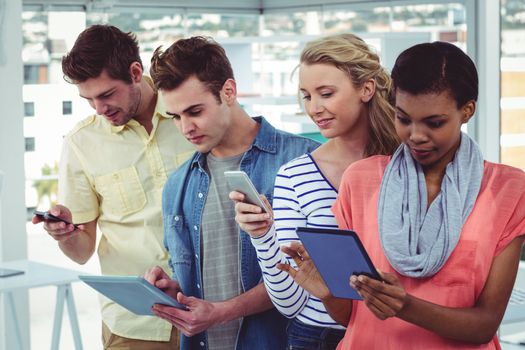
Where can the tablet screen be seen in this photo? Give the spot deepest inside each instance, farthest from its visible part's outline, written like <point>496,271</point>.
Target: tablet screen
<point>337,255</point>
<point>132,292</point>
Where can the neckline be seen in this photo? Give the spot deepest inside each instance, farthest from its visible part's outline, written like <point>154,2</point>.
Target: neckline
<point>320,172</point>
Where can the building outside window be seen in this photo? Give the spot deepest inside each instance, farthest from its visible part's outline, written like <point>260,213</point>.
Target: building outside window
<point>67,107</point>
<point>30,144</point>
<point>35,74</point>
<point>29,109</point>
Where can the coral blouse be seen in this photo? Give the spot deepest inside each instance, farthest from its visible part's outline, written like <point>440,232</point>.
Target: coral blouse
<point>497,218</point>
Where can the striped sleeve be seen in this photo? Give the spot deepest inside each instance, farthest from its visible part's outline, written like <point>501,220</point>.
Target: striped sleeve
<point>285,294</point>
<point>302,197</point>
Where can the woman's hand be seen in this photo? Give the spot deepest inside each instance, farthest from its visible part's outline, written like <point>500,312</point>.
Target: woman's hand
<point>251,218</point>
<point>385,298</point>
<point>306,274</point>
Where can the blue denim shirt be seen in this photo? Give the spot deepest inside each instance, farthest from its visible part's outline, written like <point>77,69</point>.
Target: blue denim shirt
<point>183,203</point>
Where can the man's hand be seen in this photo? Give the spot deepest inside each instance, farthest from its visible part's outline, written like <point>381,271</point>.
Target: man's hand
<point>160,279</point>
<point>60,231</point>
<point>250,217</point>
<point>306,274</point>
<point>200,315</point>
<point>385,298</point>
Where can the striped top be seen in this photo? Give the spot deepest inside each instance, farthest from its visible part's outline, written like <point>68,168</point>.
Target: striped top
<point>302,197</point>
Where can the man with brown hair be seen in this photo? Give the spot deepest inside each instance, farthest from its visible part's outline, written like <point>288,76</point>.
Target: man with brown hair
<point>112,171</point>
<point>215,269</point>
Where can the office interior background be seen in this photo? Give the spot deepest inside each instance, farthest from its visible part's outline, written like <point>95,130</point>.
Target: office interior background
<point>263,39</point>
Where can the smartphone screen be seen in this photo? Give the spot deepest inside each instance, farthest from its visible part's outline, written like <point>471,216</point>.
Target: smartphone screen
<point>240,182</point>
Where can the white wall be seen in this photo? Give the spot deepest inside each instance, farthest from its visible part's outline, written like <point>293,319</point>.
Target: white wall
<point>13,241</point>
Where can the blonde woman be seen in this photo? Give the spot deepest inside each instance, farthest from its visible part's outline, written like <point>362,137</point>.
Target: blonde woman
<point>345,92</point>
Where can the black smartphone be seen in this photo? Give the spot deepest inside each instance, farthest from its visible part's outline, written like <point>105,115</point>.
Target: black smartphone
<point>50,217</point>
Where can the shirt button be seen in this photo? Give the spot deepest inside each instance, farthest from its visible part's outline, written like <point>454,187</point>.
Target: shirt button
<point>177,218</point>
<point>200,195</point>
<point>198,286</point>
<point>196,256</point>
<point>201,343</point>
<point>195,228</point>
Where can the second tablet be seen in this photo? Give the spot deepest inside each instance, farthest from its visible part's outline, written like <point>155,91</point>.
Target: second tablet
<point>337,255</point>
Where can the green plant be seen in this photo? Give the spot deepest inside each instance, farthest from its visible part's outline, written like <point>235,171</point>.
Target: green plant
<point>48,185</point>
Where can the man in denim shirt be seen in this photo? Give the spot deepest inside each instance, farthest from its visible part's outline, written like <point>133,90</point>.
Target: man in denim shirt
<point>215,269</point>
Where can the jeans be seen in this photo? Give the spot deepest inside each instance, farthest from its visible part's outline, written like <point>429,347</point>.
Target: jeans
<point>306,337</point>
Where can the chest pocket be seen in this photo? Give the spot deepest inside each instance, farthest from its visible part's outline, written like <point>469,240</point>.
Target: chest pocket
<point>459,268</point>
<point>121,192</point>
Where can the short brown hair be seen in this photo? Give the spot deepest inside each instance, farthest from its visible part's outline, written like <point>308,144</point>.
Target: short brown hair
<point>197,56</point>
<point>101,47</point>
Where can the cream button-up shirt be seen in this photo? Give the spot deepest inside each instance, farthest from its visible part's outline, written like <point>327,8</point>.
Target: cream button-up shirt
<point>116,174</point>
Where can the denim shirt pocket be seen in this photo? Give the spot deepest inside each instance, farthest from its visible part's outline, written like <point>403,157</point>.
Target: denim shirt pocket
<point>177,241</point>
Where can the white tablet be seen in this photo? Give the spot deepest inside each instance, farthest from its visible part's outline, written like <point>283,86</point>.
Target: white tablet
<point>132,292</point>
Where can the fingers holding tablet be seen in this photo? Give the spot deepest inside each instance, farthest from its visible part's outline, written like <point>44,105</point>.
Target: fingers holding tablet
<point>337,255</point>
<point>386,298</point>
<point>306,274</point>
<point>160,279</point>
<point>132,292</point>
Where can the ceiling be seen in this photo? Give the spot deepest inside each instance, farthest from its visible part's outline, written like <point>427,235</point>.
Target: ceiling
<point>216,6</point>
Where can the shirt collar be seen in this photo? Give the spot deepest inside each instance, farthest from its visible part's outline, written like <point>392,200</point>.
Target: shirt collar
<point>265,140</point>
<point>159,113</point>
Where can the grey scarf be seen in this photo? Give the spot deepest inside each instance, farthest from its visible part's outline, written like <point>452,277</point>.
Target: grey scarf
<point>418,241</point>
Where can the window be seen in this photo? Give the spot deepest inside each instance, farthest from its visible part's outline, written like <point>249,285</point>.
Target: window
<point>512,65</point>
<point>30,74</point>
<point>67,107</point>
<point>30,144</point>
<point>369,20</point>
<point>35,74</point>
<point>29,109</point>
<point>512,104</point>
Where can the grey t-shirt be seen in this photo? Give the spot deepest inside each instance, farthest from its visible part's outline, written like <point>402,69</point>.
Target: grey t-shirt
<point>220,248</point>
